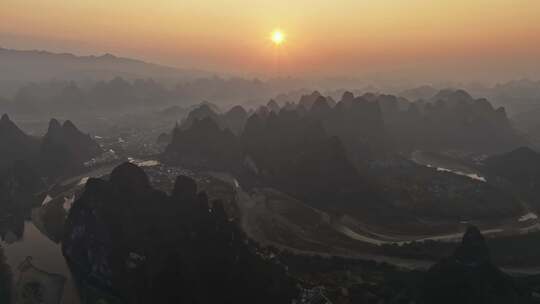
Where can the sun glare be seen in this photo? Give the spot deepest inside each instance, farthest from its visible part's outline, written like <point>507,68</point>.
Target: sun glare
<point>277,37</point>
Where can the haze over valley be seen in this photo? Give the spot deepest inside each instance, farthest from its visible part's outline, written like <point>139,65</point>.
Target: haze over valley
<point>158,152</point>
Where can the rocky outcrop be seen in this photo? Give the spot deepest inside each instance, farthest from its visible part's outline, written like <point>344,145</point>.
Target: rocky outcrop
<point>286,150</point>
<point>146,246</point>
<point>347,153</point>
<point>235,119</point>
<point>18,184</point>
<point>453,120</point>
<point>469,276</point>
<point>199,113</point>
<point>357,122</point>
<point>273,106</point>
<point>64,148</point>
<point>296,155</point>
<point>16,145</point>
<point>18,177</point>
<point>204,145</point>
<point>373,125</point>
<point>306,101</point>
<point>366,118</point>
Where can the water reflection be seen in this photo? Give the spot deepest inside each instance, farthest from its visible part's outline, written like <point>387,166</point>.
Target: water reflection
<point>32,247</point>
<point>445,164</point>
<point>37,264</point>
<point>35,285</point>
<point>31,231</point>
<point>474,176</point>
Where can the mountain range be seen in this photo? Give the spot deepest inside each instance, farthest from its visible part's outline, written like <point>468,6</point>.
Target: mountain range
<point>345,160</point>
<point>62,150</point>
<point>38,66</point>
<point>16,145</point>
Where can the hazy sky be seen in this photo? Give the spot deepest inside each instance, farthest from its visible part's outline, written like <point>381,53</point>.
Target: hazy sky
<point>447,38</point>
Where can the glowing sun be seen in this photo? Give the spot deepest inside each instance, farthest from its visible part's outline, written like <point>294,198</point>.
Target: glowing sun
<point>277,37</point>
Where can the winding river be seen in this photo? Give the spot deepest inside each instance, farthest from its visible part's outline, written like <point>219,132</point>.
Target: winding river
<point>47,256</point>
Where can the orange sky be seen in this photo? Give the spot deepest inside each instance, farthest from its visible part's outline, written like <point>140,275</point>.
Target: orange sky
<point>340,37</point>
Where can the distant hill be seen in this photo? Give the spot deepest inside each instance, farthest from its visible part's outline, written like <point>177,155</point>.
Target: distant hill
<point>65,148</point>
<point>16,145</point>
<point>452,119</point>
<point>36,66</point>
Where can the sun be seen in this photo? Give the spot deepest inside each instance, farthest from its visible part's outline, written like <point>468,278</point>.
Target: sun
<point>277,37</point>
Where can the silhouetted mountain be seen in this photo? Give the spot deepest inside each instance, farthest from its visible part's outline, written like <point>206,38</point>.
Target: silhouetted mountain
<point>114,94</point>
<point>201,112</point>
<point>71,99</point>
<point>296,152</point>
<point>357,122</point>
<point>205,145</point>
<point>521,99</point>
<point>16,145</point>
<point>64,148</point>
<point>273,106</point>
<point>119,93</point>
<point>347,98</point>
<point>452,97</point>
<point>19,182</point>
<point>423,92</point>
<point>74,99</point>
<point>232,120</point>
<point>331,102</point>
<point>284,150</point>
<point>454,120</point>
<point>146,246</point>
<point>37,66</point>
<point>263,112</point>
<point>517,96</point>
<point>470,277</point>
<point>235,119</point>
<point>320,108</point>
<point>307,101</point>
<point>296,155</point>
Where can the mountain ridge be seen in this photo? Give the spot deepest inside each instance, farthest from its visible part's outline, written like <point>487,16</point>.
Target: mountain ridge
<point>36,65</point>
